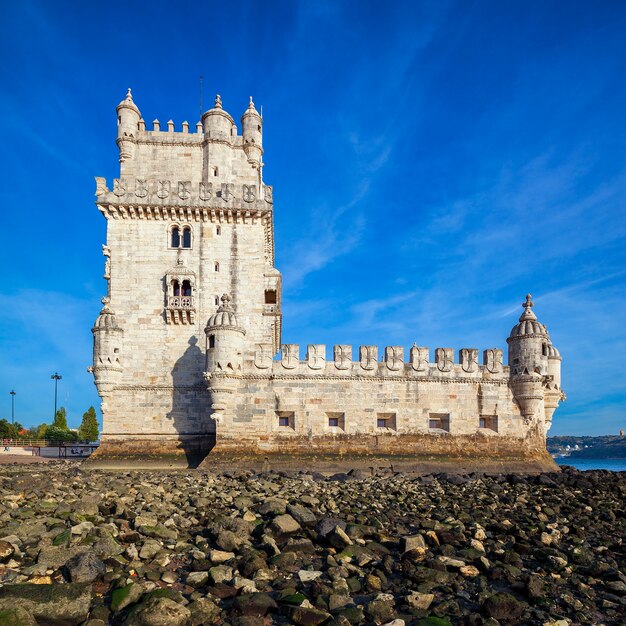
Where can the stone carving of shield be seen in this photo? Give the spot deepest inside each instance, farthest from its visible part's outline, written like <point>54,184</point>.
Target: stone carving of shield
<point>263,356</point>
<point>316,356</point>
<point>343,357</point>
<point>249,193</point>
<point>119,186</point>
<point>205,191</point>
<point>492,359</point>
<point>228,191</point>
<point>162,188</point>
<point>444,358</point>
<point>394,358</point>
<point>269,194</point>
<point>141,187</point>
<point>419,358</point>
<point>290,355</point>
<point>368,357</point>
<point>469,359</point>
<point>101,186</point>
<point>184,189</point>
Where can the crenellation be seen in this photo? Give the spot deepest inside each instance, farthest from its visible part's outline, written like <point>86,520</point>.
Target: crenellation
<point>188,348</point>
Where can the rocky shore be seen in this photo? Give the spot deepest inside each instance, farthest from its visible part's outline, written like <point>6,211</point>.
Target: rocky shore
<point>243,548</point>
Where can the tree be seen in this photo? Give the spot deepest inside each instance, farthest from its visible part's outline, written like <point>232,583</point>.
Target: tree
<point>60,419</point>
<point>7,430</point>
<point>54,433</point>
<point>88,430</point>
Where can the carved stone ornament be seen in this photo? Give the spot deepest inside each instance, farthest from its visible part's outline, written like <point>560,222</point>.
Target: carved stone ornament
<point>492,360</point>
<point>419,358</point>
<point>269,194</point>
<point>119,186</point>
<point>444,358</point>
<point>101,186</point>
<point>394,358</point>
<point>205,191</point>
<point>368,357</point>
<point>228,191</point>
<point>163,188</point>
<point>290,355</point>
<point>184,189</point>
<point>469,359</point>
<point>316,356</point>
<point>249,193</point>
<point>263,356</point>
<point>141,187</point>
<point>343,357</point>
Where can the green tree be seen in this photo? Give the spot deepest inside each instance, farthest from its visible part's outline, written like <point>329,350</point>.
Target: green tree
<point>88,430</point>
<point>60,419</point>
<point>54,433</point>
<point>7,430</point>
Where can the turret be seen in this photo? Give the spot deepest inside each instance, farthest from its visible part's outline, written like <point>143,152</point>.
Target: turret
<point>128,117</point>
<point>224,355</point>
<point>553,394</point>
<point>528,363</point>
<point>218,124</point>
<point>107,345</point>
<point>252,131</point>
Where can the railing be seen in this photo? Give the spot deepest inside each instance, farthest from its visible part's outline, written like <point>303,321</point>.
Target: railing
<point>40,443</point>
<point>184,303</point>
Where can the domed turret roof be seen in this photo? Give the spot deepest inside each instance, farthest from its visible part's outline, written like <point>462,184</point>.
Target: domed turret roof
<point>106,320</point>
<point>224,316</point>
<point>553,353</point>
<point>251,110</point>
<point>127,102</point>
<point>528,323</point>
<point>218,110</point>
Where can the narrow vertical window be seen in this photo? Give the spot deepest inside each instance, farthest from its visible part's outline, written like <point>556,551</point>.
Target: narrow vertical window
<point>187,237</point>
<point>211,341</point>
<point>215,171</point>
<point>175,237</point>
<point>186,288</point>
<point>217,300</point>
<point>176,288</point>
<point>218,230</point>
<point>217,266</point>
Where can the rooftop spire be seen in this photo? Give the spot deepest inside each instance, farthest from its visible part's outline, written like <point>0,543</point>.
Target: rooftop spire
<point>218,101</point>
<point>528,312</point>
<point>129,95</point>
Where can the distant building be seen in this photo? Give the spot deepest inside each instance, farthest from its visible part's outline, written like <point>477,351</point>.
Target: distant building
<point>185,344</point>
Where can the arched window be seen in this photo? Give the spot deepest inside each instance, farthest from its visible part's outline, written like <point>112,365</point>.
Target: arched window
<point>217,300</point>
<point>215,170</point>
<point>217,266</point>
<point>187,237</point>
<point>218,230</point>
<point>175,288</point>
<point>186,288</point>
<point>175,237</point>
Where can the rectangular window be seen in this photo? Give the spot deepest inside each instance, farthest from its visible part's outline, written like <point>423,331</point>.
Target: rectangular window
<point>488,422</point>
<point>270,296</point>
<point>439,421</point>
<point>286,420</point>
<point>386,421</point>
<point>336,420</point>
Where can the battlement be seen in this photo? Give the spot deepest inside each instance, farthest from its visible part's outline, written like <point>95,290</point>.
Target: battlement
<point>392,364</point>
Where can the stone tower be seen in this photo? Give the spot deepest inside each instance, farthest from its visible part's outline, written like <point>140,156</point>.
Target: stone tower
<point>188,219</point>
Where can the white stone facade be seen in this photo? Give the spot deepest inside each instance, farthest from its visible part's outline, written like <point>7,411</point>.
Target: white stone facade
<point>179,366</point>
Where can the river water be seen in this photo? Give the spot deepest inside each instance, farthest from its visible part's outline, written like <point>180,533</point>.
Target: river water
<point>615,465</point>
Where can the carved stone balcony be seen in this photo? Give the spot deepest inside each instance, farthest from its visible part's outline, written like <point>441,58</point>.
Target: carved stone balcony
<point>271,309</point>
<point>180,310</point>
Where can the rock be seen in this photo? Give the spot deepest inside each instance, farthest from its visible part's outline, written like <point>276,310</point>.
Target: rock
<point>338,538</point>
<point>395,622</point>
<point>284,525</point>
<point>85,567</point>
<point>221,573</point>
<point>54,557</point>
<point>450,562</point>
<point>380,611</point>
<point>17,617</point>
<point>203,612</point>
<point>328,524</point>
<point>421,601</point>
<point>308,616</point>
<point>254,604</point>
<point>273,506</point>
<point>50,604</point>
<point>197,579</point>
<point>150,549</point>
<point>158,612</point>
<point>307,576</point>
<point>413,542</point>
<point>125,596</point>
<point>503,606</point>
<point>469,571</point>
<point>303,515</point>
<point>6,551</point>
<point>220,556</point>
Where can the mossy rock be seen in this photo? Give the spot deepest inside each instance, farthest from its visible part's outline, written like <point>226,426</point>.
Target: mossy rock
<point>434,621</point>
<point>16,617</point>
<point>62,538</point>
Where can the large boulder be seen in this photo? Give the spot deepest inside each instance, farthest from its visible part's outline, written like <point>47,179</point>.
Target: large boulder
<point>158,612</point>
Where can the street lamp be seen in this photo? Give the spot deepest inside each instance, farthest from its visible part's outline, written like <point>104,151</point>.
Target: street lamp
<point>56,378</point>
<point>12,393</point>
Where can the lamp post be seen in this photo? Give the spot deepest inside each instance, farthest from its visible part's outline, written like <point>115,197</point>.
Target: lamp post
<point>12,393</point>
<point>56,378</point>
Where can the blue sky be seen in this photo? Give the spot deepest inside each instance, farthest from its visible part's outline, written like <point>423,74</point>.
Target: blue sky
<point>432,162</point>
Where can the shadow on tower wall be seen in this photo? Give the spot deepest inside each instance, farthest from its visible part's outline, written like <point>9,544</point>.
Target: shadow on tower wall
<point>191,406</point>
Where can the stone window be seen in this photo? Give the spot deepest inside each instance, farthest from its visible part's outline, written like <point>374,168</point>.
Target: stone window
<point>217,300</point>
<point>386,421</point>
<point>286,420</point>
<point>488,422</point>
<point>215,170</point>
<point>218,230</point>
<point>180,237</point>
<point>216,266</point>
<point>336,420</point>
<point>439,421</point>
<point>211,341</point>
<point>179,301</point>
<point>270,296</point>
